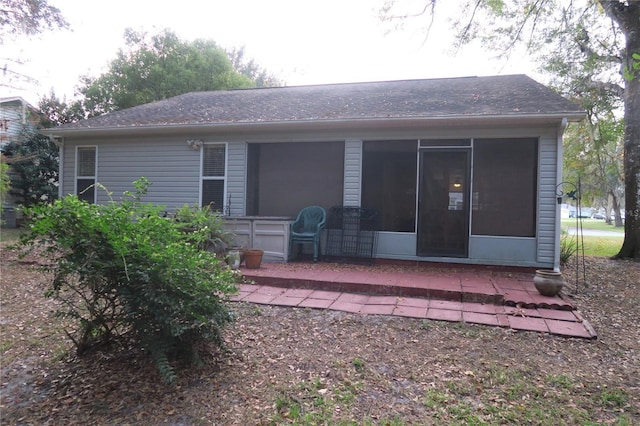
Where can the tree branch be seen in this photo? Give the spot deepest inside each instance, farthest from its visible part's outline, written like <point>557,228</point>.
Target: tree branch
<point>614,9</point>
<point>537,8</point>
<point>607,87</point>
<point>583,45</point>
<point>468,26</point>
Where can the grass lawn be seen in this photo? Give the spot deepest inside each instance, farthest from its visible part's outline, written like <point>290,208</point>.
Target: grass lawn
<point>595,224</point>
<point>602,246</point>
<point>598,245</point>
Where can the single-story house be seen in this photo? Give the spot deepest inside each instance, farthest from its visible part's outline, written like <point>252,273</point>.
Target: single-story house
<point>459,170</point>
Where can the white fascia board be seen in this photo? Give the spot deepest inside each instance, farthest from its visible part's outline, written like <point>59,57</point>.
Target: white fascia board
<point>319,124</point>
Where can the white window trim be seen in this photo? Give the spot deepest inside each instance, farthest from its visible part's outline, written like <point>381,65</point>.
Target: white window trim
<point>222,178</point>
<point>94,177</point>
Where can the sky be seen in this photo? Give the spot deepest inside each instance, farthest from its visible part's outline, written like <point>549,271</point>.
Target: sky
<point>300,41</point>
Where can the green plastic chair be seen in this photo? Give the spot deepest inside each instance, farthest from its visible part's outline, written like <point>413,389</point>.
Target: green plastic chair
<point>307,229</point>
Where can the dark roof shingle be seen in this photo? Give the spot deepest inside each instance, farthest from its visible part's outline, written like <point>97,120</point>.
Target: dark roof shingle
<point>516,95</point>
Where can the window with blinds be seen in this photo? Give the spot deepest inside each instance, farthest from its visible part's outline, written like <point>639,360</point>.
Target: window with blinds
<point>214,170</point>
<point>86,173</point>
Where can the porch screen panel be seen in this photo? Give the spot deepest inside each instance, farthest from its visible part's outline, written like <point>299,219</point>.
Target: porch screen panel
<point>213,176</point>
<point>289,176</point>
<point>389,182</point>
<point>504,187</point>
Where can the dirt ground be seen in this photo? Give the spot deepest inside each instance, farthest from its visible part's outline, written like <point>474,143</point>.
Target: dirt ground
<point>305,366</point>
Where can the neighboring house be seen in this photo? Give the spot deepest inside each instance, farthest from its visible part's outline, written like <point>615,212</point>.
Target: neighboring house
<point>460,170</point>
<point>17,116</point>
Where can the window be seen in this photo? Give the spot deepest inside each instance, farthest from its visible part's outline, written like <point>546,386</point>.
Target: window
<point>86,173</point>
<point>505,187</point>
<point>389,182</point>
<point>214,166</point>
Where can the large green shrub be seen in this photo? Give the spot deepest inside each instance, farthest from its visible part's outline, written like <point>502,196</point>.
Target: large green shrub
<point>121,270</point>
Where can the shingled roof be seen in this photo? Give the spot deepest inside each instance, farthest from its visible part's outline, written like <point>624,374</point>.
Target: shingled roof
<point>496,96</point>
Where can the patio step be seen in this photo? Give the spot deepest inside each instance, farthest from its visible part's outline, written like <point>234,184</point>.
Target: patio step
<point>492,298</point>
<point>427,289</point>
<point>479,286</point>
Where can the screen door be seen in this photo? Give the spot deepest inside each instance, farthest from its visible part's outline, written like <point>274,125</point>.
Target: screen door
<point>443,209</point>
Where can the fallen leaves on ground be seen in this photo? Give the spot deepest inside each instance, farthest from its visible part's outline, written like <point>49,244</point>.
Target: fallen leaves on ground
<point>288,365</point>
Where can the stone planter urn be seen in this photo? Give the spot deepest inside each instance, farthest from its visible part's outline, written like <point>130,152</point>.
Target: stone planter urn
<point>548,283</point>
<point>233,259</point>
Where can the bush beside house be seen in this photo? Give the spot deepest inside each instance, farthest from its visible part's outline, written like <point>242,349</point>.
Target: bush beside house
<point>122,271</point>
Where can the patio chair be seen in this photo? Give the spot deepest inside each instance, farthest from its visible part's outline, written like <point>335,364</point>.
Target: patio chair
<point>307,228</point>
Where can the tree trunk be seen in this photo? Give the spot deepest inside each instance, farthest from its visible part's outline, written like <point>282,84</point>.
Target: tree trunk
<point>612,206</point>
<point>615,206</point>
<point>627,17</point>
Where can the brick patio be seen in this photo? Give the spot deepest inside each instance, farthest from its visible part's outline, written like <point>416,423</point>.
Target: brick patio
<point>484,296</point>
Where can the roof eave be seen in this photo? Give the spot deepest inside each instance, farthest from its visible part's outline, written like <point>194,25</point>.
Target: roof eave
<point>431,121</point>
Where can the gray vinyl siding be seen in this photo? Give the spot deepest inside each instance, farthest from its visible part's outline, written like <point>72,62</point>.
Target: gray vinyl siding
<point>11,114</point>
<point>16,116</point>
<point>352,172</point>
<point>68,169</point>
<point>548,163</point>
<point>172,168</point>
<point>236,178</point>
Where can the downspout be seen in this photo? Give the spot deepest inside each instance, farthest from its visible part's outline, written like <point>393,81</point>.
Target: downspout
<point>560,153</point>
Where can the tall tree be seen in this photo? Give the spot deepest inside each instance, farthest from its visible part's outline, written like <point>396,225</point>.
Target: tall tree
<point>24,18</point>
<point>158,67</point>
<point>55,111</point>
<point>28,17</point>
<point>34,165</point>
<point>249,68</point>
<point>601,39</point>
<point>593,156</point>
